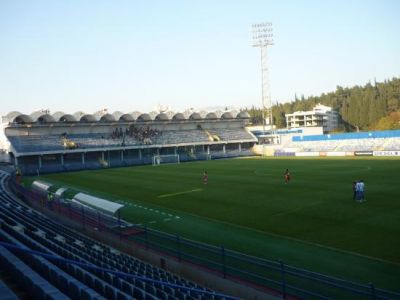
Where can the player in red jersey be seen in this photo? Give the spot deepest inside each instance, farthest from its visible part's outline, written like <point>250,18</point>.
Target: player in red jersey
<point>205,177</point>
<point>287,176</point>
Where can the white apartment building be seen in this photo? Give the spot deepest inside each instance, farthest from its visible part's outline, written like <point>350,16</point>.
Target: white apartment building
<point>321,116</point>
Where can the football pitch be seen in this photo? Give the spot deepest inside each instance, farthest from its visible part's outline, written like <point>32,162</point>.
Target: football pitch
<point>312,222</point>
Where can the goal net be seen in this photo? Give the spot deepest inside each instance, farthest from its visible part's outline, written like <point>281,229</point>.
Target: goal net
<point>166,159</point>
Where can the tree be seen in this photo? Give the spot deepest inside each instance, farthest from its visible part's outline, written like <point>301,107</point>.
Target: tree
<point>359,106</point>
<point>387,123</point>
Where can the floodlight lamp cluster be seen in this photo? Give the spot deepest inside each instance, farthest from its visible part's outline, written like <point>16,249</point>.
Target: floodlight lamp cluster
<point>262,34</point>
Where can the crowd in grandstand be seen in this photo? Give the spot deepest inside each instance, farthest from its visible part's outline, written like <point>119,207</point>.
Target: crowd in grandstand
<point>141,134</point>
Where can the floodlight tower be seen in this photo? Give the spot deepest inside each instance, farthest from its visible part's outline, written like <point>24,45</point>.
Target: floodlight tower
<point>262,38</point>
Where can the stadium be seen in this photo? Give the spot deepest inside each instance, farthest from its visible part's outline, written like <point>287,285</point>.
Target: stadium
<point>144,154</point>
<point>114,206</point>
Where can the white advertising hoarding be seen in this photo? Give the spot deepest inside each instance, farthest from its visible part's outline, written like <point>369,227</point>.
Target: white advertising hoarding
<point>387,153</point>
<point>307,153</point>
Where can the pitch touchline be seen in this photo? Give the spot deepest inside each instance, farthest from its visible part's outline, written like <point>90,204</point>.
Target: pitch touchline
<point>179,193</point>
<point>150,209</point>
<point>297,240</point>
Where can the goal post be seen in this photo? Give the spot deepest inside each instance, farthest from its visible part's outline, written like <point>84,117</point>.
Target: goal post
<point>166,159</point>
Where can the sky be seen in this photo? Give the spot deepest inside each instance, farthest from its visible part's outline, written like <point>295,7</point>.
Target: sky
<point>136,55</point>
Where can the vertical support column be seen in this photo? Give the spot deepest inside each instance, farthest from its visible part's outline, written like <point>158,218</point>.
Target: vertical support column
<point>283,279</point>
<point>176,150</point>
<point>146,238</point>
<point>122,155</point>
<point>224,148</point>
<point>158,151</point>
<point>140,154</point>
<point>223,261</point>
<point>62,160</point>
<point>83,216</point>
<point>83,158</point>
<point>40,161</point>
<point>178,247</point>
<point>240,147</point>
<point>16,161</point>
<point>373,293</point>
<point>208,149</point>
<point>102,156</point>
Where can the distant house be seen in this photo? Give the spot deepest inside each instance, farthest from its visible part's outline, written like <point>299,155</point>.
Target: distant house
<point>321,116</point>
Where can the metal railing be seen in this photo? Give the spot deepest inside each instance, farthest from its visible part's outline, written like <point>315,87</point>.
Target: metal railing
<point>269,274</point>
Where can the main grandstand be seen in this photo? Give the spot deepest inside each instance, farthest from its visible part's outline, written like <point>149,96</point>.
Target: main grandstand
<point>70,265</point>
<point>42,143</point>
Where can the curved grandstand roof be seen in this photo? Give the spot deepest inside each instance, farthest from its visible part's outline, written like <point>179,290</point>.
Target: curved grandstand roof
<point>243,115</point>
<point>100,113</point>
<point>43,117</point>
<point>117,114</point>
<point>144,118</point>
<point>107,118</point>
<point>88,119</point>
<point>13,114</point>
<point>67,118</point>
<point>211,116</point>
<point>227,115</point>
<point>179,116</point>
<point>170,114</point>
<point>153,115</point>
<point>162,117</point>
<point>126,118</point>
<point>36,114</point>
<point>234,113</point>
<point>187,113</point>
<point>203,113</point>
<point>57,115</point>
<point>22,119</point>
<point>135,114</point>
<point>79,114</point>
<point>195,116</point>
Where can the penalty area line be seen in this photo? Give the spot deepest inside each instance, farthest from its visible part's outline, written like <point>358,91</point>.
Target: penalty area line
<point>179,193</point>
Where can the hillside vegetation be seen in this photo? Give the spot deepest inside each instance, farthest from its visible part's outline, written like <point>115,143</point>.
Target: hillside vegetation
<point>372,106</point>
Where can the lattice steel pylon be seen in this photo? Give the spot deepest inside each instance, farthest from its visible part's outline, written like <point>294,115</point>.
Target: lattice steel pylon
<point>262,38</point>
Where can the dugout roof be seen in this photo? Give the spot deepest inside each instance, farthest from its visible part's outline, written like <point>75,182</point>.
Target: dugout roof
<point>106,206</point>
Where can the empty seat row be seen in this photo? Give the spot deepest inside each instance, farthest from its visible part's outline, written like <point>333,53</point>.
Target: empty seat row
<point>27,228</point>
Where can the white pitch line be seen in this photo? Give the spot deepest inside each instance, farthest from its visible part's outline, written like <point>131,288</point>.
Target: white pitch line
<point>171,216</point>
<point>179,193</point>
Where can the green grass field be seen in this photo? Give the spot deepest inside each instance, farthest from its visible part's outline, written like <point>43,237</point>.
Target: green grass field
<point>311,223</point>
